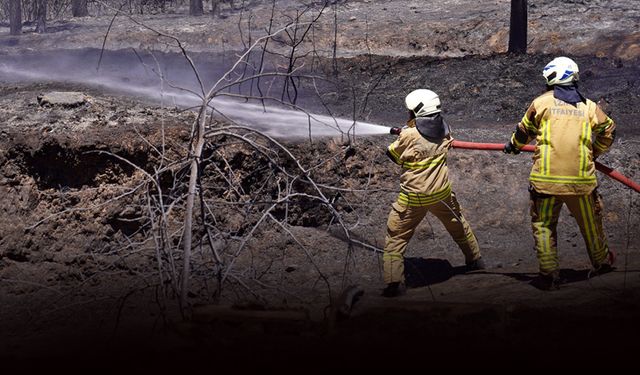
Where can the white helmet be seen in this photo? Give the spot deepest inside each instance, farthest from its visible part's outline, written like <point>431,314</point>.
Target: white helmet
<point>561,71</point>
<point>422,102</point>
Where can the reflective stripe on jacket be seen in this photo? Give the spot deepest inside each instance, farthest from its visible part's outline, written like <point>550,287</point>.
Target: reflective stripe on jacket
<point>425,179</point>
<point>563,161</point>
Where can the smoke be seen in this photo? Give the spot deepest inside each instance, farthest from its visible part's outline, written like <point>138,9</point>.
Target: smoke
<point>139,75</point>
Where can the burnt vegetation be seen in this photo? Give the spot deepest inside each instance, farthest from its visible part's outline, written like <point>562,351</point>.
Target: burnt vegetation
<point>198,202</point>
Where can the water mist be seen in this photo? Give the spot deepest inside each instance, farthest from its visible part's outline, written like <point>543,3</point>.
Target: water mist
<point>124,73</point>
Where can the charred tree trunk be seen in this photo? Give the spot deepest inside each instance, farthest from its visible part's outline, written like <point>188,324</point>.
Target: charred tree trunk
<point>195,7</point>
<point>41,16</point>
<point>15,17</point>
<point>215,8</point>
<point>79,8</point>
<point>518,27</point>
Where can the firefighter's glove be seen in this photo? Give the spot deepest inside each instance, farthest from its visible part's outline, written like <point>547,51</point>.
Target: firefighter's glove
<point>509,148</point>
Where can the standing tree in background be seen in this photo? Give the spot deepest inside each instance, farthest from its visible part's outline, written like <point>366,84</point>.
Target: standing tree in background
<point>518,27</point>
<point>215,8</point>
<point>41,16</point>
<point>15,17</point>
<point>196,8</point>
<point>79,8</point>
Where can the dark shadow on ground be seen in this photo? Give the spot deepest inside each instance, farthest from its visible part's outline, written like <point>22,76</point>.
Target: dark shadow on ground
<point>421,272</point>
<point>567,276</point>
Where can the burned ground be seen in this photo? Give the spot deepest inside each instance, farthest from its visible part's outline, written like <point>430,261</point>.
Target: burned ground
<point>70,254</point>
<point>79,271</point>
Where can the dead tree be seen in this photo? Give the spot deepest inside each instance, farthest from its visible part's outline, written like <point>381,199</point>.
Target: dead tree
<point>295,36</point>
<point>210,193</point>
<point>196,8</point>
<point>79,8</point>
<point>41,16</point>
<point>215,8</point>
<point>15,17</point>
<point>518,27</point>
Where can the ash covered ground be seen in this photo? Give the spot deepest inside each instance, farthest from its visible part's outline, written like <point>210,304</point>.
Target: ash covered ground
<point>78,266</point>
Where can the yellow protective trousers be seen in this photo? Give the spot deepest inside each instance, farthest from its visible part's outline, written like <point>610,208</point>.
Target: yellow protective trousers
<point>586,209</point>
<point>401,226</point>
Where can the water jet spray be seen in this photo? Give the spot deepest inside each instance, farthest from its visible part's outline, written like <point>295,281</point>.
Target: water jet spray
<point>273,121</point>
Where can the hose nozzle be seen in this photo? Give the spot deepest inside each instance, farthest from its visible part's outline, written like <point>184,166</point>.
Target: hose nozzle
<point>395,130</point>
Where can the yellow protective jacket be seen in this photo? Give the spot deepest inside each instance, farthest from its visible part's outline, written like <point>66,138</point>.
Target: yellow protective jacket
<point>563,161</point>
<point>425,179</point>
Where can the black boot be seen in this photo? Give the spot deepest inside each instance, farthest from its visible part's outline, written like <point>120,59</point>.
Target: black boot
<point>547,281</point>
<point>475,265</point>
<point>601,270</point>
<point>605,267</point>
<point>394,289</point>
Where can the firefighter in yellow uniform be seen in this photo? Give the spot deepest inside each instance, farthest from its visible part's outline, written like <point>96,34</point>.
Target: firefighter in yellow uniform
<point>421,149</point>
<point>570,132</point>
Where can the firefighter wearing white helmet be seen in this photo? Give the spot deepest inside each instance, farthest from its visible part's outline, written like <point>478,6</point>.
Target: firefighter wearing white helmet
<point>422,102</point>
<point>570,131</point>
<point>421,150</point>
<point>561,71</point>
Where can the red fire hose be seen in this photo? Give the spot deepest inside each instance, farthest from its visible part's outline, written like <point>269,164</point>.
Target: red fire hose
<point>499,147</point>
